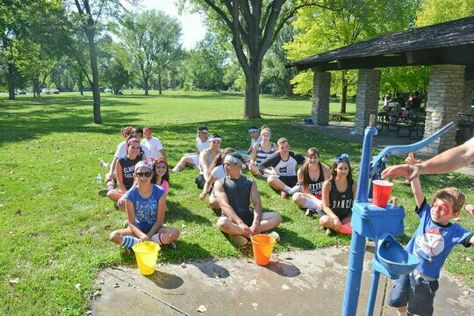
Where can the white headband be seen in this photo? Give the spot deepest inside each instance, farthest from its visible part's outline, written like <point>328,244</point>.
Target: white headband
<point>232,159</point>
<point>211,139</point>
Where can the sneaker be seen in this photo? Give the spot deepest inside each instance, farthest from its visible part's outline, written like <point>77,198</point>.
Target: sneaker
<point>175,170</point>
<point>330,232</point>
<point>172,245</point>
<point>275,235</point>
<point>238,241</point>
<point>103,192</point>
<point>294,189</point>
<point>104,164</point>
<point>311,212</point>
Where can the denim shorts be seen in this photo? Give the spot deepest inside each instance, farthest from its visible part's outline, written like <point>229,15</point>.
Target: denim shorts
<point>415,292</point>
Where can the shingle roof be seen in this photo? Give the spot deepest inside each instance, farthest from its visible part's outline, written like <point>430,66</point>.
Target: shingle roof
<point>445,43</point>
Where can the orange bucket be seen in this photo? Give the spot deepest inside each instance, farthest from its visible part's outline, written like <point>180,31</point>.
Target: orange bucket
<point>262,248</point>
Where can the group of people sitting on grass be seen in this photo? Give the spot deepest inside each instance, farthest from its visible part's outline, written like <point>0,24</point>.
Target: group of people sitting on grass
<point>138,182</point>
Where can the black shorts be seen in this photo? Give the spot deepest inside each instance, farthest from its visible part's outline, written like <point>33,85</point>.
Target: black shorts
<point>340,216</point>
<point>246,218</point>
<point>290,181</point>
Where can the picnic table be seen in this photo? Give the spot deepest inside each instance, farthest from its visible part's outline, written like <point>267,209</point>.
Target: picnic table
<point>412,126</point>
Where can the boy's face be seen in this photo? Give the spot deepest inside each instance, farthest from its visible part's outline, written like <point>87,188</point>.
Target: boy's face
<point>442,211</point>
<point>147,135</point>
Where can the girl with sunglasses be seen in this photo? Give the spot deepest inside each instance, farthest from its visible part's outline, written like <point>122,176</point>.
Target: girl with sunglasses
<point>161,174</point>
<point>145,207</point>
<point>311,177</point>
<point>338,196</point>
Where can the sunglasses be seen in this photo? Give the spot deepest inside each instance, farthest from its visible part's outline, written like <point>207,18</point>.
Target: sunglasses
<point>145,174</point>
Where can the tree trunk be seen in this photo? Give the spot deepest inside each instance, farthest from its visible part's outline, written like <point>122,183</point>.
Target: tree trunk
<point>36,87</point>
<point>344,85</point>
<point>252,101</point>
<point>11,81</point>
<point>145,85</point>
<point>159,82</point>
<point>80,83</point>
<point>344,98</point>
<point>95,76</point>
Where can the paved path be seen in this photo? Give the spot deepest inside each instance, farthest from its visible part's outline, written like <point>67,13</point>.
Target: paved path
<point>294,283</point>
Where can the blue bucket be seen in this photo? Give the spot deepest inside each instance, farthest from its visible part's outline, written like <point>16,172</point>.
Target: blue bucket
<point>394,257</point>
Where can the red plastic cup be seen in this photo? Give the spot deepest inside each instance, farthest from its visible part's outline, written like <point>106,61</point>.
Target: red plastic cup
<point>381,192</point>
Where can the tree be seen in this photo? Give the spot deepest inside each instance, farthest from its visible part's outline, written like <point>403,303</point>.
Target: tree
<point>439,11</point>
<point>18,22</point>
<point>321,30</point>
<point>114,65</point>
<point>152,38</point>
<point>204,66</point>
<point>87,16</point>
<point>253,26</point>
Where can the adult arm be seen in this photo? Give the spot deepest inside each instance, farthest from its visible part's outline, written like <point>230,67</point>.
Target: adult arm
<point>130,209</point>
<point>447,161</point>
<point>207,187</point>
<point>113,165</point>
<point>300,177</point>
<point>257,212</point>
<point>327,203</point>
<point>269,163</point>
<point>119,173</point>
<point>203,163</point>
<point>221,198</point>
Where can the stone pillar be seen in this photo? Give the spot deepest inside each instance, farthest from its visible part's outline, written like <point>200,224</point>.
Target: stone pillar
<point>321,87</point>
<point>446,98</point>
<point>367,100</point>
<point>468,95</point>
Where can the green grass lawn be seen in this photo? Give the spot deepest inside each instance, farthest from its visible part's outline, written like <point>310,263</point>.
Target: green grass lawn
<point>55,227</point>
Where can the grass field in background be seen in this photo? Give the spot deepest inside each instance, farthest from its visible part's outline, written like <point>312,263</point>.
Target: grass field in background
<point>55,227</point>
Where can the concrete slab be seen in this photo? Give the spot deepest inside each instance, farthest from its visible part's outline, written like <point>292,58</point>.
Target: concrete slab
<point>294,283</point>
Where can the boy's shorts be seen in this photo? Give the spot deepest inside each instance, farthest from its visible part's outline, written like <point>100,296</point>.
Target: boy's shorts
<point>415,292</point>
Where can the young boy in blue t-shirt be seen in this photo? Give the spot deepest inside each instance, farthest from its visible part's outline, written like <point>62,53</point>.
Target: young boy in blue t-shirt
<point>432,241</point>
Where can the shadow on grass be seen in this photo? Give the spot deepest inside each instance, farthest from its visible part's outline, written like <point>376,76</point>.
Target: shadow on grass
<point>176,212</point>
<point>293,239</point>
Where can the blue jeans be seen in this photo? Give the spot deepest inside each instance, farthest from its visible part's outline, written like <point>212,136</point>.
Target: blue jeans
<point>415,292</point>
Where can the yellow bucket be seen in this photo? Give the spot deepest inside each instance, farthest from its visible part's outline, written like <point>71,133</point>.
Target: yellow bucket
<point>146,254</point>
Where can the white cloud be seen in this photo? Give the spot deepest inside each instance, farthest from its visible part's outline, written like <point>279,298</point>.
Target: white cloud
<point>192,27</point>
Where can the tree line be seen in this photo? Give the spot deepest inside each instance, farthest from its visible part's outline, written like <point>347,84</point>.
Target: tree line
<point>88,45</point>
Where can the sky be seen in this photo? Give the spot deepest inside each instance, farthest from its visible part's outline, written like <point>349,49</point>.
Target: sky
<point>192,27</point>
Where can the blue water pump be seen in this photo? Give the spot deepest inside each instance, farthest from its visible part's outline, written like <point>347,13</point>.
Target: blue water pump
<point>381,224</point>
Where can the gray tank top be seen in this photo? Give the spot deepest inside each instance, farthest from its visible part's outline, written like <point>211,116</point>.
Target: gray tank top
<point>238,195</point>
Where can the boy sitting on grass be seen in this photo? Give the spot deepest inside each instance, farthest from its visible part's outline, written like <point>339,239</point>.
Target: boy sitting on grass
<point>432,241</point>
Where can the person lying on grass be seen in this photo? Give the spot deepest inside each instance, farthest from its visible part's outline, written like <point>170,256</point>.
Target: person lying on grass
<point>311,177</point>
<point>145,207</point>
<point>124,171</point>
<point>432,242</point>
<point>338,196</point>
<point>192,159</point>
<point>234,193</point>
